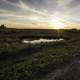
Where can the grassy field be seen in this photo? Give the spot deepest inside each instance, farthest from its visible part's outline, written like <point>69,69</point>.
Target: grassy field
<point>44,61</point>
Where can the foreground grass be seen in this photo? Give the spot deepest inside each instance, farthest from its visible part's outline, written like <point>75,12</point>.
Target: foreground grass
<point>34,62</point>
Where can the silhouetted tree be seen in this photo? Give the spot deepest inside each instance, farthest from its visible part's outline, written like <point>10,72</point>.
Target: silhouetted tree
<point>2,26</point>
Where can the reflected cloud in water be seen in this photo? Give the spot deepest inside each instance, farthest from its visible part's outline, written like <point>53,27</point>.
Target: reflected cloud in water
<point>41,40</point>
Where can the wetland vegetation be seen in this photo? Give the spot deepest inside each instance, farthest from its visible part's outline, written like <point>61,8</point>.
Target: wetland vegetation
<point>42,61</point>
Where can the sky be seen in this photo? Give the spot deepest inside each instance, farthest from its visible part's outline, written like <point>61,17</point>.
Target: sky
<point>41,14</point>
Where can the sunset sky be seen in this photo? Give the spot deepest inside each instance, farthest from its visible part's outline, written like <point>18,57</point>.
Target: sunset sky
<point>47,14</point>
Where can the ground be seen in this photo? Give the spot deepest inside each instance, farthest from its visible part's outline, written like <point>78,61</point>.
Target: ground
<point>43,61</point>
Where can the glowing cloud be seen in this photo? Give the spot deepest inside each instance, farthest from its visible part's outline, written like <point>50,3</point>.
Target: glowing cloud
<point>40,11</point>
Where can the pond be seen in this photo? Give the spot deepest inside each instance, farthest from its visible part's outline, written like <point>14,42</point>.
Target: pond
<point>41,40</point>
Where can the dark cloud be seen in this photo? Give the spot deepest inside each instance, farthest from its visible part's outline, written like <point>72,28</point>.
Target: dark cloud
<point>6,6</point>
<point>49,5</point>
<point>74,3</point>
<point>14,1</point>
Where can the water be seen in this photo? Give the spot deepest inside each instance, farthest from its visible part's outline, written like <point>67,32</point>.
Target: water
<point>41,40</point>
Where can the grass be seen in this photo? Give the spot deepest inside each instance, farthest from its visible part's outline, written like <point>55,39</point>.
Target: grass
<point>20,61</point>
<point>34,62</point>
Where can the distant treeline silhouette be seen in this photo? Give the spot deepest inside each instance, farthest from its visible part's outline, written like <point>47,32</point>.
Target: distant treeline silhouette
<point>13,34</point>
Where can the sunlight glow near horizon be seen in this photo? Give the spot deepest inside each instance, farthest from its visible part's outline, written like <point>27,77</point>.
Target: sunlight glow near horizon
<point>56,23</point>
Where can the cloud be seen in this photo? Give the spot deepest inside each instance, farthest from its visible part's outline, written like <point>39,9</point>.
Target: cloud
<point>35,11</point>
<point>74,3</point>
<point>23,6</point>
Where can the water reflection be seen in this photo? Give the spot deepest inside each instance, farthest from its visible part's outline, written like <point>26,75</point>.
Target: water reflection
<point>41,40</point>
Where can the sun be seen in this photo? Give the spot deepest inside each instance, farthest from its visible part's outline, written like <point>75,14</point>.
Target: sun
<point>57,24</point>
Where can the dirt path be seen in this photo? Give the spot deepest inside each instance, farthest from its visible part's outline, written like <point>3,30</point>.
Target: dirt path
<point>70,72</point>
